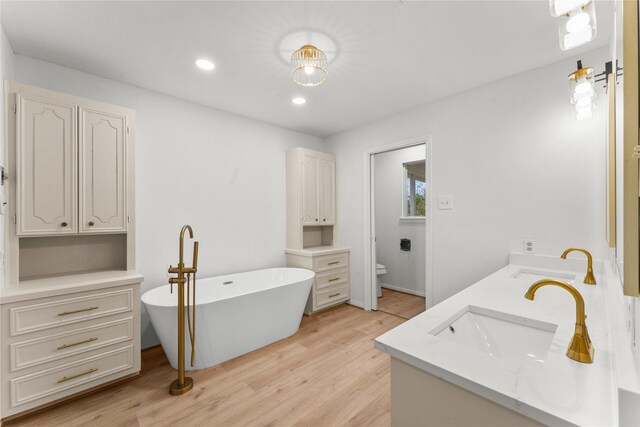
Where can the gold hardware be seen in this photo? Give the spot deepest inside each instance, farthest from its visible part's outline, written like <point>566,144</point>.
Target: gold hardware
<point>316,219</point>
<point>580,348</point>
<point>91,223</point>
<point>66,313</point>
<point>184,384</point>
<point>334,263</point>
<point>589,278</point>
<point>334,279</point>
<point>325,219</point>
<point>63,224</point>
<point>65,379</point>
<point>334,295</point>
<point>62,347</point>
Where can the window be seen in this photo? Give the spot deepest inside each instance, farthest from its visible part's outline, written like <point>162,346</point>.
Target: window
<point>414,189</point>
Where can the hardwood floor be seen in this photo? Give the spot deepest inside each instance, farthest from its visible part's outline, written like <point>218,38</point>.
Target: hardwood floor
<point>327,374</point>
<point>400,304</point>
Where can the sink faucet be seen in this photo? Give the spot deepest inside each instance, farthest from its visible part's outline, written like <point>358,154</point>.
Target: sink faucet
<point>580,348</point>
<point>589,279</point>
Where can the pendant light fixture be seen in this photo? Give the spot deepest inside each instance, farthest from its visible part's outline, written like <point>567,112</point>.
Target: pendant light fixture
<point>308,66</point>
<point>583,91</point>
<point>577,24</point>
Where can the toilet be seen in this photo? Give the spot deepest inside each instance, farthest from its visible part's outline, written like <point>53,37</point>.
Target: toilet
<point>381,270</point>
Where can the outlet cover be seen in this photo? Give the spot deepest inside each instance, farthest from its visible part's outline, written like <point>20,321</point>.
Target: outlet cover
<point>529,246</point>
<point>445,202</point>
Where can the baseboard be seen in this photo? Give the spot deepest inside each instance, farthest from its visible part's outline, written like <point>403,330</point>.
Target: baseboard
<point>403,290</point>
<point>358,304</point>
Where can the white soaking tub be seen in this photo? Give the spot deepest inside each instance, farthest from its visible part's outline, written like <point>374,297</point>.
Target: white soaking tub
<point>235,314</point>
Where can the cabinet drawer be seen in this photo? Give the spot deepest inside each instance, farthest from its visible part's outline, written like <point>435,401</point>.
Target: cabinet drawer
<point>38,351</point>
<point>63,311</point>
<point>332,278</point>
<point>49,383</point>
<point>330,262</point>
<point>331,295</point>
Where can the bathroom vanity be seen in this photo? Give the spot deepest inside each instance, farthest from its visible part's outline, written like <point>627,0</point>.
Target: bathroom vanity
<point>311,227</point>
<point>70,301</point>
<point>488,356</point>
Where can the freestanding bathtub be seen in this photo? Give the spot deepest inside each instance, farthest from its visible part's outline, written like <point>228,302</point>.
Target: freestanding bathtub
<point>235,314</point>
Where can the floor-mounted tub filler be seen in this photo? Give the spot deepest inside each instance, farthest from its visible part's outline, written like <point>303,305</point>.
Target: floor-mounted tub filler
<point>236,314</point>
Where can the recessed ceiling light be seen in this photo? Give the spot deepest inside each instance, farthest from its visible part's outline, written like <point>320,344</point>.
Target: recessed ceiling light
<point>205,64</point>
<point>299,100</point>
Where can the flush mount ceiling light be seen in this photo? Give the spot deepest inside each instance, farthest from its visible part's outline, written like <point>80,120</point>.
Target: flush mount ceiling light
<point>205,64</point>
<point>299,100</point>
<point>577,24</point>
<point>308,66</point>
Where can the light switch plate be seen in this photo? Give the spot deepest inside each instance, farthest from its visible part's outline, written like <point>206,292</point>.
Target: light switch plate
<point>445,202</point>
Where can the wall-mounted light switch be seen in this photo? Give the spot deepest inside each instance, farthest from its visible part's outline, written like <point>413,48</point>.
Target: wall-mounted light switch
<point>445,202</point>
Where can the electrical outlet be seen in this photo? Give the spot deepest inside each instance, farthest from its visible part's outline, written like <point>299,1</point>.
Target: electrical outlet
<point>529,246</point>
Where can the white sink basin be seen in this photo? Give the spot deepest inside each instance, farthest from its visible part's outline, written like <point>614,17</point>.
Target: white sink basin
<point>498,334</point>
<point>535,275</point>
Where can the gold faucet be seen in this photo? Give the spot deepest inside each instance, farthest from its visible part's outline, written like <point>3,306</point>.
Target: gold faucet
<point>580,348</point>
<point>183,275</point>
<point>589,279</point>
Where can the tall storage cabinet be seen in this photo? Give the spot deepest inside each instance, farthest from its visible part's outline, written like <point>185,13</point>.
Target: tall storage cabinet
<point>311,227</point>
<point>70,301</point>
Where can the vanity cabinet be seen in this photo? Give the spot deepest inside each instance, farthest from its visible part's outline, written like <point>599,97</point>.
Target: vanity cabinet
<point>71,167</point>
<point>331,284</point>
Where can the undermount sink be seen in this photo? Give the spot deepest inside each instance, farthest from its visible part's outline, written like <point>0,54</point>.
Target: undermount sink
<point>534,275</point>
<point>499,334</point>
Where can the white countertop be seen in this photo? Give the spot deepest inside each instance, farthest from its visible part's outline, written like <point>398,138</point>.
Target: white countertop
<point>559,391</point>
<point>64,284</point>
<point>317,250</point>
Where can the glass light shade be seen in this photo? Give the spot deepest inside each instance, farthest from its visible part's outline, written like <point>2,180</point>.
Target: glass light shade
<point>582,85</point>
<point>577,27</point>
<point>562,7</point>
<point>308,66</point>
<point>585,111</point>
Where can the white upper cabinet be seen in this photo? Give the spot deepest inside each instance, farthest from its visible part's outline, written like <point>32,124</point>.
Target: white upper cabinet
<point>71,166</point>
<point>46,154</point>
<point>327,190</point>
<point>310,196</point>
<point>102,174</point>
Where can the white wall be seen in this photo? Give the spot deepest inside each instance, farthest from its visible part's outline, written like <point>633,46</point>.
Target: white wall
<point>516,163</point>
<point>405,270</point>
<point>221,173</point>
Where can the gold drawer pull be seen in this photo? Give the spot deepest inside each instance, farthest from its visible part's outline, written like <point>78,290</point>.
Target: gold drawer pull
<point>65,379</point>
<point>66,313</point>
<point>334,279</point>
<point>62,347</point>
<point>334,295</point>
<point>334,263</point>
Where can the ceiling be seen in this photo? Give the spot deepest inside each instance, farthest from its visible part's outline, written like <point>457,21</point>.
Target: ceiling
<point>385,57</point>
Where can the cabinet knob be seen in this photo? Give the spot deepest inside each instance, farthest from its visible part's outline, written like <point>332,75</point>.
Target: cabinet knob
<point>91,224</point>
<point>316,219</point>
<point>63,224</point>
<point>324,220</point>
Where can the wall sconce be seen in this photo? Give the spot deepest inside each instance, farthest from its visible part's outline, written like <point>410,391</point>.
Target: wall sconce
<point>582,84</point>
<point>577,24</point>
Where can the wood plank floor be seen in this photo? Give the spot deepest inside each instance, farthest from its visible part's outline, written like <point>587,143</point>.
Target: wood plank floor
<point>400,304</point>
<point>327,374</point>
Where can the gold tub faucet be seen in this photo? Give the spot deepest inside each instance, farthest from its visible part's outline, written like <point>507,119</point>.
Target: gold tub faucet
<point>580,348</point>
<point>589,279</point>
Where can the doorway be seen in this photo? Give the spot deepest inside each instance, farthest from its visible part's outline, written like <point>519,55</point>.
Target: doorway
<point>398,227</point>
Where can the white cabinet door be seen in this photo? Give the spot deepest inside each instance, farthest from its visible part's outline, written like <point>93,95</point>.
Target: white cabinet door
<point>46,166</point>
<point>310,214</point>
<point>327,192</point>
<point>102,172</point>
